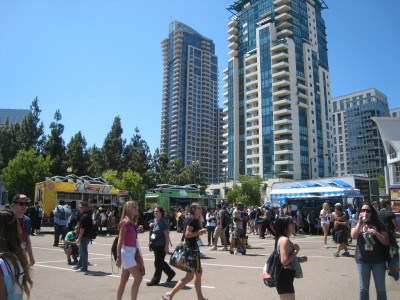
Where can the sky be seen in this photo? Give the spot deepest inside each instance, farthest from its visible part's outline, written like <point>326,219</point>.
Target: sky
<point>95,60</point>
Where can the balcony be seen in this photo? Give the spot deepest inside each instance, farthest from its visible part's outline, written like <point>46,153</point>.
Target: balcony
<point>282,9</point>
<point>280,93</point>
<point>252,109</point>
<point>281,73</point>
<point>282,111</point>
<point>283,17</point>
<point>283,121</point>
<point>283,131</point>
<point>233,45</point>
<point>279,45</point>
<point>279,55</point>
<point>279,102</point>
<point>284,33</point>
<point>232,23</point>
<point>251,100</point>
<point>232,30</point>
<point>233,53</point>
<point>252,91</point>
<point>281,2</point>
<point>280,64</point>
<point>232,38</point>
<point>281,83</point>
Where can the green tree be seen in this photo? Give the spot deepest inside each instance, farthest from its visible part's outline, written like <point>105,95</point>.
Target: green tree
<point>77,156</point>
<point>113,146</point>
<point>8,143</point>
<point>133,182</point>
<point>381,181</point>
<point>137,157</point>
<point>251,188</point>
<point>22,172</point>
<point>55,146</point>
<point>31,132</point>
<point>96,161</point>
<point>160,167</point>
<point>248,192</point>
<point>111,176</point>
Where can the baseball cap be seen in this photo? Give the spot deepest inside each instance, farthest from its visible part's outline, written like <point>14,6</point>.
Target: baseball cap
<point>19,197</point>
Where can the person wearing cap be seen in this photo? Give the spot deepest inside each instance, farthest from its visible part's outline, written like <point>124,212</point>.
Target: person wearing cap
<point>20,205</point>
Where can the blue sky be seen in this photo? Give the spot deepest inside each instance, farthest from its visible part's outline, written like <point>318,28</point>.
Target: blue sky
<point>98,59</point>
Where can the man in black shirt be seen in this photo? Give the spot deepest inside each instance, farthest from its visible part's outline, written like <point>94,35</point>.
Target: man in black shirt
<point>85,224</point>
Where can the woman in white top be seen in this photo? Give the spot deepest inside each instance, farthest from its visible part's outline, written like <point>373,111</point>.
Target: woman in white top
<point>15,280</point>
<point>324,216</point>
<point>211,224</point>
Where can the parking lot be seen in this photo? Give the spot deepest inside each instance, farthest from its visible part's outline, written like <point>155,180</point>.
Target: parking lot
<point>225,276</point>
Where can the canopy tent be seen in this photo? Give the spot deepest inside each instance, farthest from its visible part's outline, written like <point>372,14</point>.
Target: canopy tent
<point>313,192</point>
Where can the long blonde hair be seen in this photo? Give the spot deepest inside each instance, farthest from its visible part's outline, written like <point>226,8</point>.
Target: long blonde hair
<point>325,206</point>
<point>127,212</point>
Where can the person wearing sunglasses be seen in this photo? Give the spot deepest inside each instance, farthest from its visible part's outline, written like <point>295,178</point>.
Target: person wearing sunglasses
<point>20,206</point>
<point>371,238</point>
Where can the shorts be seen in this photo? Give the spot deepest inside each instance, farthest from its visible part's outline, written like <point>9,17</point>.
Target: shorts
<point>339,236</point>
<point>285,282</point>
<point>219,232</point>
<point>325,225</point>
<point>252,222</point>
<point>128,257</point>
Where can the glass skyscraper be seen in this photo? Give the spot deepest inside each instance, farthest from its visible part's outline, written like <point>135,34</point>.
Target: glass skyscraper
<point>358,145</point>
<point>278,90</point>
<point>190,115</point>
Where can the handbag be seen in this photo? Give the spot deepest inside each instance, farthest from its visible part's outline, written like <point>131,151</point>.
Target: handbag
<point>185,258</point>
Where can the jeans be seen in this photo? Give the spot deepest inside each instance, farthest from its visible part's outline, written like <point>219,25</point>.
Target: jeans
<point>160,264</point>
<point>210,231</point>
<point>83,254</point>
<point>378,271</point>
<point>59,230</point>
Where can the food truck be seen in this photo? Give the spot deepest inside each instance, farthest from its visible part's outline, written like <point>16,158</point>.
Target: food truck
<point>73,189</point>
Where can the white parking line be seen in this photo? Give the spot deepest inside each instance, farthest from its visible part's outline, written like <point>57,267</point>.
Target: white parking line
<point>113,275</point>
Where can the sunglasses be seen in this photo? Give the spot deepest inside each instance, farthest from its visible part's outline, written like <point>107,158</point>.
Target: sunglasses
<point>366,210</point>
<point>156,211</point>
<point>22,203</point>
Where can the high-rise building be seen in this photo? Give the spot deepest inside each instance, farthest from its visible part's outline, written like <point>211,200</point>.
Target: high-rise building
<point>278,90</point>
<point>358,145</point>
<point>395,112</point>
<point>190,114</point>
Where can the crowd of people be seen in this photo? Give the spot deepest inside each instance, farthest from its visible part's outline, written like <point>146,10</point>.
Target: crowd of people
<point>371,228</point>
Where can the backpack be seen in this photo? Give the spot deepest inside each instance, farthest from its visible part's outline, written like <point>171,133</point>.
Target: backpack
<point>92,231</point>
<point>225,219</point>
<point>272,269</point>
<point>114,248</point>
<point>63,212</point>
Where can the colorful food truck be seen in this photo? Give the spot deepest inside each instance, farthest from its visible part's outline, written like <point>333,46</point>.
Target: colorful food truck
<point>73,189</point>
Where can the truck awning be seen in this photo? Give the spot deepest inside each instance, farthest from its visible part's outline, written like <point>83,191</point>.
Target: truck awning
<point>314,192</point>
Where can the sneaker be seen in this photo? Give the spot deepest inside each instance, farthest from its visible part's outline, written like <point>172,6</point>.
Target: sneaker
<point>237,252</point>
<point>326,246</point>
<point>81,270</point>
<point>75,268</point>
<point>225,249</point>
<point>213,248</point>
<point>336,254</point>
<point>346,253</point>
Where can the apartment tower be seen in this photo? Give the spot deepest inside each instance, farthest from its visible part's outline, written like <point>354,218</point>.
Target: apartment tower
<point>190,115</point>
<point>358,145</point>
<point>278,90</point>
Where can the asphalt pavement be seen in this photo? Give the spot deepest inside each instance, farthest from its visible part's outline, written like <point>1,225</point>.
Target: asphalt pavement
<point>225,276</point>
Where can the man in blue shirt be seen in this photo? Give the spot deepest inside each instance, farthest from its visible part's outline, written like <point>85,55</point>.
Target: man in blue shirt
<point>62,216</point>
